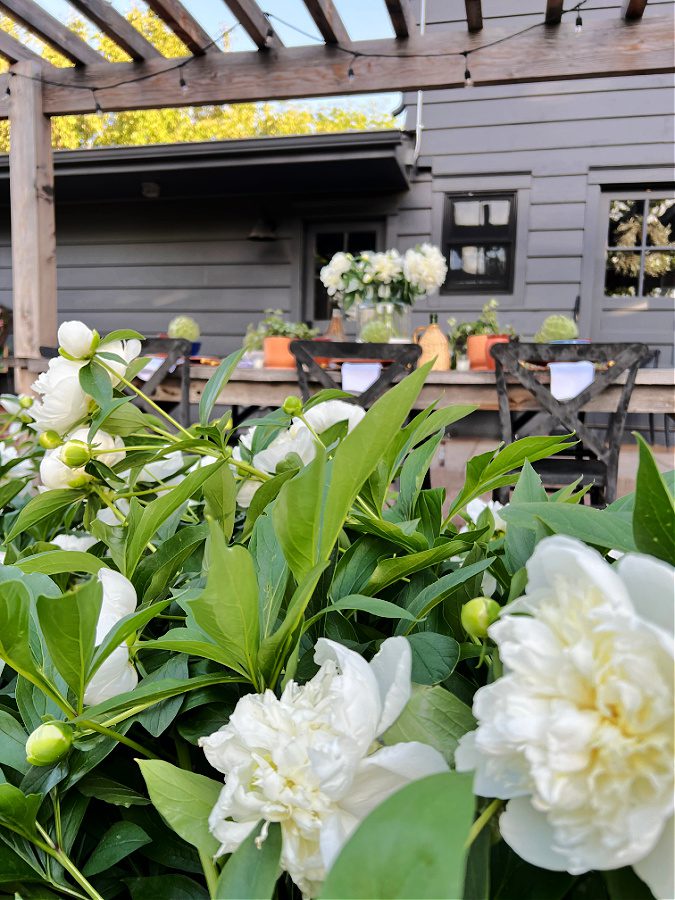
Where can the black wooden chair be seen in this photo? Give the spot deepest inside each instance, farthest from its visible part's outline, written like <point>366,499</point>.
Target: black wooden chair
<point>403,359</point>
<point>172,349</point>
<point>596,458</point>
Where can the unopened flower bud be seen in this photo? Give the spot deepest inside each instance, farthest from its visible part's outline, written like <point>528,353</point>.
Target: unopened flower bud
<point>48,744</point>
<point>25,402</point>
<point>477,616</point>
<point>75,454</point>
<point>50,440</point>
<point>292,406</point>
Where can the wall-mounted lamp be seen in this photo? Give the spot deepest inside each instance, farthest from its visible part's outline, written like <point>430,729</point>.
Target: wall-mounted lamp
<point>150,189</point>
<point>264,229</point>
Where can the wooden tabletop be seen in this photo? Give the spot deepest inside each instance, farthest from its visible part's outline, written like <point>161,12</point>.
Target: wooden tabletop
<point>653,393</point>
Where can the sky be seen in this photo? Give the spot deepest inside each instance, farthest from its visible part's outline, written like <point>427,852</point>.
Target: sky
<point>363,19</point>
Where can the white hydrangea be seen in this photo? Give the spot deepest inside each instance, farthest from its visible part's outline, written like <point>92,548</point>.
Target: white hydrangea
<point>425,268</point>
<point>578,733</point>
<point>332,274</point>
<point>116,675</point>
<point>309,760</point>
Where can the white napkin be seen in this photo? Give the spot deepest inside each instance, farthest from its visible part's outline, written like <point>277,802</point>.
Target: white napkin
<point>569,379</point>
<point>358,377</point>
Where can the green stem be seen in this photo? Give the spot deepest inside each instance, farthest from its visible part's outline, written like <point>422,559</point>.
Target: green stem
<point>150,402</point>
<point>316,437</point>
<point>210,872</point>
<point>111,506</point>
<point>156,490</point>
<point>60,856</point>
<point>482,821</point>
<point>249,470</point>
<point>122,738</point>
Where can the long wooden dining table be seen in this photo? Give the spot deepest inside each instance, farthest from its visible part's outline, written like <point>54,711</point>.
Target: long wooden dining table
<point>654,390</point>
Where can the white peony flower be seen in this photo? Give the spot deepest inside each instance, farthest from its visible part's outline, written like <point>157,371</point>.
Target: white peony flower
<point>425,268</point>
<point>476,507</point>
<point>108,517</point>
<point>247,491</point>
<point>54,473</point>
<point>8,453</point>
<point>332,275</point>
<point>116,674</point>
<point>125,350</point>
<point>80,542</point>
<point>307,761</point>
<point>578,733</point>
<point>385,267</point>
<point>63,403</point>
<point>163,469</point>
<point>76,339</point>
<point>109,449</point>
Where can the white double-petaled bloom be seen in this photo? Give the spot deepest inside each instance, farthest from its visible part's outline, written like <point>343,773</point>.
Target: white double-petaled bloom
<point>297,439</point>
<point>62,402</point>
<point>425,268</point>
<point>79,542</point>
<point>310,760</point>
<point>578,733</point>
<point>116,675</point>
<point>332,274</point>
<point>54,473</point>
<point>476,507</point>
<point>76,339</point>
<point>385,267</point>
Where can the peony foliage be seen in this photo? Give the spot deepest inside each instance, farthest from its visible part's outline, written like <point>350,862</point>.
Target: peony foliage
<point>262,659</point>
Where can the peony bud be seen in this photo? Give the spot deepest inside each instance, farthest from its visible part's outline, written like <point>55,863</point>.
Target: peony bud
<point>48,744</point>
<point>477,616</point>
<point>77,341</point>
<point>75,454</point>
<point>49,440</point>
<point>25,402</point>
<point>292,406</point>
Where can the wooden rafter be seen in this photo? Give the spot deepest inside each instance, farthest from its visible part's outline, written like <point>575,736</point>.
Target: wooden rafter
<point>402,17</point>
<point>602,49</point>
<point>255,24</point>
<point>633,9</point>
<point>14,51</point>
<point>554,11</point>
<point>50,30</point>
<point>328,21</point>
<point>183,24</point>
<point>474,15</point>
<point>118,29</point>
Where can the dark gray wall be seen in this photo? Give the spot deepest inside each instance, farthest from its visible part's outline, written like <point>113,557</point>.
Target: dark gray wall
<point>561,145</point>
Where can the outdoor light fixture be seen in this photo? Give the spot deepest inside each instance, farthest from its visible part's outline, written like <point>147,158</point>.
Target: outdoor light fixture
<point>263,230</point>
<point>578,24</point>
<point>150,190</point>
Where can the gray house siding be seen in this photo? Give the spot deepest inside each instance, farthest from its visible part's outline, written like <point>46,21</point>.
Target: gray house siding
<point>562,146</point>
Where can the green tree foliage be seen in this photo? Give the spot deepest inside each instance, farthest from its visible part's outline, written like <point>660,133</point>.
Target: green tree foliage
<point>168,126</point>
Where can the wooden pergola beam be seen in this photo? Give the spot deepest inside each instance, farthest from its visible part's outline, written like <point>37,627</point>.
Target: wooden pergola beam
<point>601,50</point>
<point>255,24</point>
<point>554,11</point>
<point>328,21</point>
<point>50,30</point>
<point>633,9</point>
<point>33,230</point>
<point>474,15</point>
<point>402,18</point>
<point>14,51</point>
<point>117,28</point>
<point>183,24</point>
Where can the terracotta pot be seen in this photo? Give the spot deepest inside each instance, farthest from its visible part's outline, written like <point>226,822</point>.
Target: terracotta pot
<point>493,339</point>
<point>277,353</point>
<point>475,350</point>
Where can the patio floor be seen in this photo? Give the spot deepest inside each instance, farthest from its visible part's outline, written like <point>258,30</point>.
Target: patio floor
<point>449,466</point>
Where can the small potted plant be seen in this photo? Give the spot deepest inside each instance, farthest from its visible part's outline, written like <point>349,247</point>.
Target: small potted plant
<point>275,334</point>
<point>476,338</point>
<point>186,328</point>
<point>558,329</point>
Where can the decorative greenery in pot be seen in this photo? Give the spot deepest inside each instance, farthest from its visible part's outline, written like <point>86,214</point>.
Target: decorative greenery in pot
<point>239,663</point>
<point>557,328</point>
<point>471,337</point>
<point>273,335</point>
<point>187,328</point>
<point>379,289</point>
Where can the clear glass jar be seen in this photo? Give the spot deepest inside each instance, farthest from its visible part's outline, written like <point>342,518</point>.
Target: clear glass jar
<point>383,323</point>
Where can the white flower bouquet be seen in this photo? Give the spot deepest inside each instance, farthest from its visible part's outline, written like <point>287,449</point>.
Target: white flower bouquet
<point>260,659</point>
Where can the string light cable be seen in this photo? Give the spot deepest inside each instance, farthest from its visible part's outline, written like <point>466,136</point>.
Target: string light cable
<point>350,51</point>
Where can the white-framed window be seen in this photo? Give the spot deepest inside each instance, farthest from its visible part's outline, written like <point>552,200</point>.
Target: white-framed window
<point>639,252</point>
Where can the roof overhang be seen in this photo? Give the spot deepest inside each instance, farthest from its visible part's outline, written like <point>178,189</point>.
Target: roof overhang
<point>375,161</point>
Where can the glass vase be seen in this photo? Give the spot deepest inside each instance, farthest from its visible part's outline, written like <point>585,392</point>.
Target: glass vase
<point>383,323</point>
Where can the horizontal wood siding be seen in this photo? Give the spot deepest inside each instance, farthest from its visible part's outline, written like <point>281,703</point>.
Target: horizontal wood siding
<point>566,136</point>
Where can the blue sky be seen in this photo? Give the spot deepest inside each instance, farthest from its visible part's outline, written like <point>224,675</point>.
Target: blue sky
<point>363,19</point>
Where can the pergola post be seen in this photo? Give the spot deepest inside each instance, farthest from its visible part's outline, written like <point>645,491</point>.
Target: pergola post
<point>31,172</point>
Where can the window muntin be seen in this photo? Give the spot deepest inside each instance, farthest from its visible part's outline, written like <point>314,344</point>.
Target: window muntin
<point>640,252</point>
<point>479,236</point>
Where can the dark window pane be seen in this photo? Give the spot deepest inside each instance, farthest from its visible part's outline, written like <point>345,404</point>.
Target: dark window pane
<point>661,223</point>
<point>358,241</point>
<point>659,279</point>
<point>625,223</point>
<point>475,265</point>
<point>622,271</point>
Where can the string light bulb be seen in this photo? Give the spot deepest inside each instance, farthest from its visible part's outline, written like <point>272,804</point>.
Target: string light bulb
<point>183,83</point>
<point>578,24</point>
<point>350,74</point>
<point>98,110</point>
<point>468,80</point>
